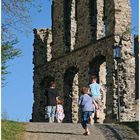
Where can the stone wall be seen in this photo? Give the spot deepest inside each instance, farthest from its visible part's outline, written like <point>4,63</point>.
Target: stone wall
<point>42,55</point>
<point>80,48</point>
<point>58,29</point>
<point>126,80</point>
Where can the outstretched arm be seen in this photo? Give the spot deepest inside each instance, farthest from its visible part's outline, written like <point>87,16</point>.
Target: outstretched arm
<point>80,100</point>
<point>103,93</point>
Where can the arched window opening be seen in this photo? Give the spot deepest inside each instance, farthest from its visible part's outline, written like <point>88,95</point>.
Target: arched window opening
<point>97,16</point>
<point>98,67</point>
<point>93,18</point>
<point>71,92</point>
<point>70,24</point>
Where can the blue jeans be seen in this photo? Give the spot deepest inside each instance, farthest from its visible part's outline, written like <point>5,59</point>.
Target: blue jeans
<point>85,117</point>
<point>50,110</point>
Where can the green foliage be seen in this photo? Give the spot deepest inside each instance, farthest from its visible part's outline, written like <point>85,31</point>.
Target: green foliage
<point>8,52</point>
<point>15,18</point>
<point>12,130</point>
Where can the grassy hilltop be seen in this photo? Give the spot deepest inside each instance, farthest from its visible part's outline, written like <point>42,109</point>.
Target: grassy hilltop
<point>11,130</point>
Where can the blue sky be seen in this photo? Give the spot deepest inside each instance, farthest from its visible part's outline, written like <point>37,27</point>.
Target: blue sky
<point>17,95</point>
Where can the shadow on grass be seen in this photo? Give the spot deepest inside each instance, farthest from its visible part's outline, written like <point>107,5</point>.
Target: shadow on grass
<point>132,125</point>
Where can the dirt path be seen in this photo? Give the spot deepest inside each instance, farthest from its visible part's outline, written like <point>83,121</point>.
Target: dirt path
<point>65,131</point>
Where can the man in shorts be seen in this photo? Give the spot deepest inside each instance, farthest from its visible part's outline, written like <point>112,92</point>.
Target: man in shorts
<point>96,91</point>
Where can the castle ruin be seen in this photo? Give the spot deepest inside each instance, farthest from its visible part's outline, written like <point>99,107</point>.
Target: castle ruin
<point>79,45</point>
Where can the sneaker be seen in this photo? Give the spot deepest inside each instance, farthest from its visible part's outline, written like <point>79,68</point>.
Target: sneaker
<point>86,133</point>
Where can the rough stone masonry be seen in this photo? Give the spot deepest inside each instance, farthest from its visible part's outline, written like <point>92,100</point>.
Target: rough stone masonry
<point>80,45</point>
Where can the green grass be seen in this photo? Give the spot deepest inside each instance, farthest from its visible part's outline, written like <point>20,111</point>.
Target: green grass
<point>133,125</point>
<point>12,130</point>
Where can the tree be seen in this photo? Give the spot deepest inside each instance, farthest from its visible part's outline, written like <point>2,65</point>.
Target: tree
<point>15,17</point>
<point>8,52</point>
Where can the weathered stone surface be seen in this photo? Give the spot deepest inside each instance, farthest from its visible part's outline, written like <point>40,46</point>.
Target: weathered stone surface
<point>67,131</point>
<point>83,33</point>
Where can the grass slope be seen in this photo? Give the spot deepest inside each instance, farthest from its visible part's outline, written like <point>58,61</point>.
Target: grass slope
<point>133,125</point>
<point>12,130</point>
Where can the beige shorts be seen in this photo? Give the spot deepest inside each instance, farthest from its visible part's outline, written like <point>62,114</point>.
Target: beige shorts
<point>98,101</point>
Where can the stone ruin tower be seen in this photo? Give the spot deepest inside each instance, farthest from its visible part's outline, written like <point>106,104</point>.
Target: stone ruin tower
<point>79,45</point>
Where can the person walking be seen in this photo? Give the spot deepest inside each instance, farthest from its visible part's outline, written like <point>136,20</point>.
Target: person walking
<point>51,97</point>
<point>96,91</point>
<point>86,102</point>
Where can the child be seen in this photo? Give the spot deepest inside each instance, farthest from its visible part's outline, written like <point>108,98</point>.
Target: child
<point>86,102</point>
<point>96,91</point>
<point>59,110</point>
